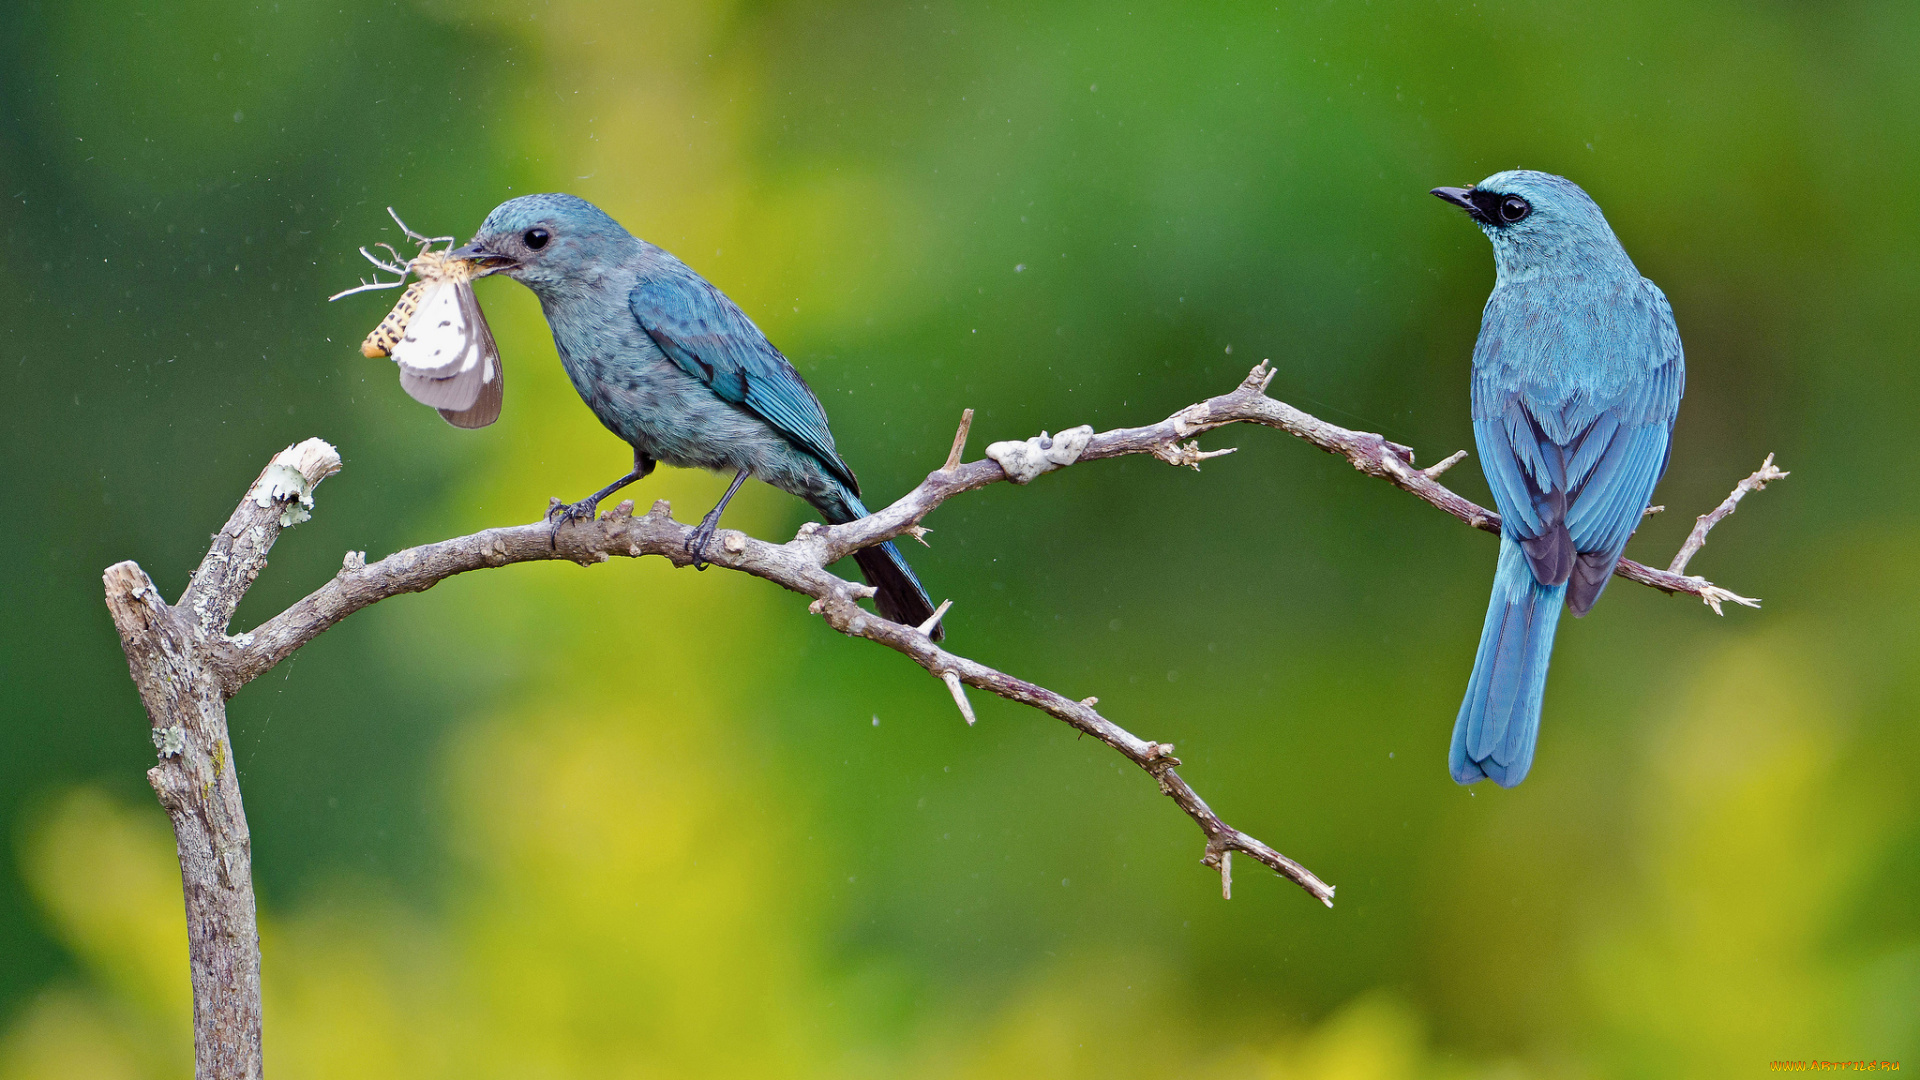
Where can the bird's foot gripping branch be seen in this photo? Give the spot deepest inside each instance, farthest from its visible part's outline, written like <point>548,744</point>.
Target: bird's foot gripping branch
<point>186,664</point>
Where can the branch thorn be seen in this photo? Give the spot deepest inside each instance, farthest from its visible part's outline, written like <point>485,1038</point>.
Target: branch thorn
<point>952,679</point>
<point>934,620</point>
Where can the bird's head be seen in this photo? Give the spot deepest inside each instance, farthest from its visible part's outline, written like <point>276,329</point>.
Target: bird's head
<point>546,242</point>
<point>1539,224</point>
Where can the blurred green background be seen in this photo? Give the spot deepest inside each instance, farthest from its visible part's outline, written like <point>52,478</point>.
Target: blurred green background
<point>626,821</point>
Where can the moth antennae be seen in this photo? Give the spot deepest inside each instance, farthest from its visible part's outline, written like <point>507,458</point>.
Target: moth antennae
<point>366,286</point>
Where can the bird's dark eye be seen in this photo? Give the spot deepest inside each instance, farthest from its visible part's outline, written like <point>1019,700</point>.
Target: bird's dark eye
<point>537,238</point>
<point>1513,208</point>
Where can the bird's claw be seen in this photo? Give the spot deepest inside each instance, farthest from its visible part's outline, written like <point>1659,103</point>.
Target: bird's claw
<point>559,513</point>
<point>697,542</point>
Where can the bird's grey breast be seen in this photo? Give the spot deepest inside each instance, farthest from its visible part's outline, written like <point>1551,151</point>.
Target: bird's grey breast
<point>616,368</point>
<point>599,349</point>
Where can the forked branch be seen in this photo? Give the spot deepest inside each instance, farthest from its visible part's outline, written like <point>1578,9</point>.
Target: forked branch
<point>186,665</point>
<point>800,565</point>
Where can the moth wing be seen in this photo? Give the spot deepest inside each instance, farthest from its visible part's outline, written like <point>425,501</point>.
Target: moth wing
<point>434,343</point>
<point>438,354</point>
<point>486,407</point>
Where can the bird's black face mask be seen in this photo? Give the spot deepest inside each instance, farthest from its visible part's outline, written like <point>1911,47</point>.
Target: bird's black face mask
<point>1487,207</point>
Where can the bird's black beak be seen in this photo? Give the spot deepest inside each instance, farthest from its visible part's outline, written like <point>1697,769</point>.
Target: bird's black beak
<point>490,261</point>
<point>1479,210</point>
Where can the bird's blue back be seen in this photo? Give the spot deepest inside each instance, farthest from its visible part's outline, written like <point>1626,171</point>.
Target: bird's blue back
<point>674,367</point>
<point>710,338</point>
<point>1577,379</point>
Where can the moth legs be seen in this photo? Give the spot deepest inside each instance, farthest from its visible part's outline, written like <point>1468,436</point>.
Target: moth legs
<point>395,263</point>
<point>418,238</point>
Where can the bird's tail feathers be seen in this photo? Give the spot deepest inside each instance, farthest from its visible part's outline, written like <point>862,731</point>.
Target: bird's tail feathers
<point>1591,572</point>
<point>901,596</point>
<point>1500,718</point>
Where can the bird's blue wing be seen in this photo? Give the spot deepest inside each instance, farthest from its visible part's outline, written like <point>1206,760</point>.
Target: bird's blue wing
<point>1519,464</point>
<point>1574,432</point>
<point>1611,499</point>
<point>710,338</point>
<point>1609,496</point>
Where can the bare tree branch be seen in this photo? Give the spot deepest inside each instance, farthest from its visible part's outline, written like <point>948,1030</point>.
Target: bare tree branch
<point>186,666</point>
<point>1704,524</point>
<point>195,780</point>
<point>797,565</point>
<point>1248,403</point>
<point>800,565</point>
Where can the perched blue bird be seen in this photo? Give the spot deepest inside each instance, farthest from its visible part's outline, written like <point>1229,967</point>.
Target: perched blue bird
<point>1577,377</point>
<point>676,369</point>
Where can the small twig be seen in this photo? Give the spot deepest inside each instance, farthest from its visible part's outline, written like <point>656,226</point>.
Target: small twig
<point>1704,524</point>
<point>959,441</point>
<point>1189,453</point>
<point>1434,470</point>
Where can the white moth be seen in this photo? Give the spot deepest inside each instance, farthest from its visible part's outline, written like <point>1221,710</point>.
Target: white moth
<point>437,334</point>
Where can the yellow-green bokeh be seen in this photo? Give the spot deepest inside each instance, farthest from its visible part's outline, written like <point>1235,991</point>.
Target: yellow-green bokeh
<point>622,820</point>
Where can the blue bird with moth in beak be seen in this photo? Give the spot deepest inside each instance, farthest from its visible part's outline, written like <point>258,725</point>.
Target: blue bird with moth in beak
<point>675,368</point>
<point>1577,378</point>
